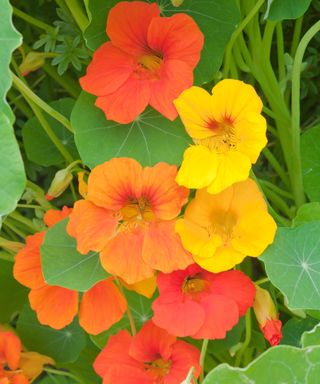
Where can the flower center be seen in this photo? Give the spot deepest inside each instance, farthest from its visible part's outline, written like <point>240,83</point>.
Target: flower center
<point>223,139</point>
<point>148,66</point>
<point>137,212</point>
<point>158,368</point>
<point>222,224</point>
<point>193,284</point>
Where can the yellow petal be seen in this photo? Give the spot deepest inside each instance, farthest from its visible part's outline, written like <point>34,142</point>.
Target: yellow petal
<point>31,364</point>
<point>233,166</point>
<point>194,108</point>
<point>145,287</point>
<point>254,232</point>
<point>82,185</point>
<point>199,167</point>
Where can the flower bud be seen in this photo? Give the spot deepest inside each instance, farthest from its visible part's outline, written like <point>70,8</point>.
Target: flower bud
<point>267,316</point>
<point>59,184</point>
<point>32,62</point>
<point>177,3</point>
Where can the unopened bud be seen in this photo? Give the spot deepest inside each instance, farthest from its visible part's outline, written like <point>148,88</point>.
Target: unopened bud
<point>59,184</point>
<point>32,62</point>
<point>267,316</point>
<point>177,3</point>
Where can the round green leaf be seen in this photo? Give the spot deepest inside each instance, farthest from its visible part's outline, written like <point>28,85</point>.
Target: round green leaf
<point>292,264</point>
<point>62,345</point>
<point>310,158</point>
<point>39,148</point>
<point>306,213</point>
<point>217,22</point>
<point>64,266</point>
<point>282,364</point>
<point>150,138</point>
<point>294,328</point>
<point>286,9</point>
<point>311,337</point>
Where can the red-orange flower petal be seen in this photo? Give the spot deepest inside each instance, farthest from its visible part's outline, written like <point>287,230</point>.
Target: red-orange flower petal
<point>10,348</point>
<point>128,24</point>
<point>55,306</point>
<point>272,331</point>
<point>101,307</point>
<point>91,225</point>
<point>27,267</point>
<point>53,216</point>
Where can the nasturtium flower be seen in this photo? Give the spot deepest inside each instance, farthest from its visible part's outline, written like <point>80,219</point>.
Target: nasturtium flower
<point>201,304</point>
<point>151,357</point>
<point>128,216</point>
<point>267,316</point>
<point>228,131</point>
<point>148,60</point>
<point>101,306</point>
<point>221,230</point>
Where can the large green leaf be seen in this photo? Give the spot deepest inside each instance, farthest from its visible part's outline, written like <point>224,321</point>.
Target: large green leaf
<point>286,9</point>
<point>12,176</point>
<point>64,266</point>
<point>294,328</point>
<point>149,139</point>
<point>306,213</point>
<point>63,345</point>
<point>141,311</point>
<point>311,337</point>
<point>217,21</point>
<point>39,148</point>
<point>310,156</point>
<point>282,364</point>
<point>292,264</point>
<point>12,294</point>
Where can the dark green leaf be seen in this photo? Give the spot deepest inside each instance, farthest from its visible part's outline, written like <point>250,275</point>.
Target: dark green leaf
<point>287,9</point>
<point>294,328</point>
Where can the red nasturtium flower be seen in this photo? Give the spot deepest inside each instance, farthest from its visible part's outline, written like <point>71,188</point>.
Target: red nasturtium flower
<point>128,216</point>
<point>200,304</point>
<point>267,316</point>
<point>101,306</point>
<point>149,60</point>
<point>151,357</point>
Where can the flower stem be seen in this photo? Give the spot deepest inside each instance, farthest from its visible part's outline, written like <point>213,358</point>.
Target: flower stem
<point>280,52</point>
<point>246,340</point>
<point>62,373</point>
<point>203,357</point>
<point>33,21</point>
<point>78,14</point>
<point>276,166</point>
<point>129,313</point>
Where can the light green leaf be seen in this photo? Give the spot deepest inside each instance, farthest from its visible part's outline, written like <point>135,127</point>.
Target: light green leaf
<point>311,337</point>
<point>216,21</point>
<point>310,158</point>
<point>39,148</point>
<point>63,345</point>
<point>64,266</point>
<point>149,139</point>
<point>287,9</point>
<point>281,364</point>
<point>293,266</point>
<point>306,213</point>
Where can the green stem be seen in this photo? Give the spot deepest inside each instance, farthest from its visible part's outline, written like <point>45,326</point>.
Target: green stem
<point>277,201</point>
<point>268,112</point>
<point>28,93</point>
<point>20,104</point>
<point>296,36</point>
<point>277,190</point>
<point>276,166</point>
<point>129,313</point>
<point>6,256</point>
<point>203,357</point>
<point>262,281</point>
<point>33,21</point>
<point>13,227</point>
<point>295,111</point>
<point>62,373</point>
<point>246,340</point>
<point>78,14</point>
<point>21,219</point>
<point>65,81</point>
<point>267,37</point>
<point>29,206</point>
<point>235,35</point>
<point>280,52</point>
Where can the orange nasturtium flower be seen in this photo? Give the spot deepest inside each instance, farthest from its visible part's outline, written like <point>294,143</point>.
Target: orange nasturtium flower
<point>152,356</point>
<point>148,60</point>
<point>229,133</point>
<point>221,230</point>
<point>128,216</point>
<point>101,306</point>
<point>201,304</point>
<point>267,316</point>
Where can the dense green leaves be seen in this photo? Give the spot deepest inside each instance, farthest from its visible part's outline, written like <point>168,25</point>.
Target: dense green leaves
<point>310,154</point>
<point>292,264</point>
<point>39,148</point>
<point>12,294</point>
<point>286,9</point>
<point>63,265</point>
<point>149,139</point>
<point>62,345</point>
<point>282,364</point>
<point>12,177</point>
<point>215,21</point>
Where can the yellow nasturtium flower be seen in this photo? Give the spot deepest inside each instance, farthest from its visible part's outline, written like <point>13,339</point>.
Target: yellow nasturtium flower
<point>229,133</point>
<point>221,230</point>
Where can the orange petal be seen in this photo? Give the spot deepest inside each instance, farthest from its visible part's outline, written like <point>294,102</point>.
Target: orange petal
<point>162,248</point>
<point>83,185</point>
<point>18,379</point>
<point>53,216</point>
<point>127,102</point>
<point>128,24</point>
<point>177,37</point>
<point>10,348</point>
<point>27,267</point>
<point>55,306</point>
<point>32,364</point>
<point>164,194</point>
<point>109,69</point>
<point>122,257</point>
<point>92,226</point>
<point>101,307</point>
<point>145,287</point>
